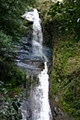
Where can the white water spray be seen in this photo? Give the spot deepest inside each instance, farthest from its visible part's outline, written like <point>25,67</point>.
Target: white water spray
<point>40,102</point>
<point>44,86</point>
<point>39,96</point>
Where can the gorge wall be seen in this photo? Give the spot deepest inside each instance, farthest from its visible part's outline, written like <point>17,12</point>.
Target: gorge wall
<point>65,75</point>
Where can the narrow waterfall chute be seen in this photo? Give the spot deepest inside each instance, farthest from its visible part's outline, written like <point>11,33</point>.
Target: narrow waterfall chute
<point>44,86</point>
<point>40,107</point>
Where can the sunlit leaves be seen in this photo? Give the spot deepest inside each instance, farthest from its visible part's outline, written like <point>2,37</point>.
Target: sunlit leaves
<point>67,14</point>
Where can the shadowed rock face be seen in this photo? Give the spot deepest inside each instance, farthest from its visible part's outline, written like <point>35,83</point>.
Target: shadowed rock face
<point>29,62</point>
<point>25,58</point>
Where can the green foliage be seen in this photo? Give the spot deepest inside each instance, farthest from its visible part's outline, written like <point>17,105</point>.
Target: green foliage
<point>10,103</point>
<point>10,16</point>
<point>71,94</point>
<point>11,80</point>
<point>12,28</point>
<point>67,15</point>
<point>10,12</point>
<point>8,70</point>
<point>66,59</point>
<point>66,76</point>
<point>6,46</point>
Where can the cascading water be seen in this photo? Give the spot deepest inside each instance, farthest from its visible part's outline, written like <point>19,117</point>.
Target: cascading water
<point>40,102</point>
<point>39,96</point>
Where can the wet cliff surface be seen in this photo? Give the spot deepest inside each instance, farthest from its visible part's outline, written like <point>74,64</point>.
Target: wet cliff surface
<point>64,80</point>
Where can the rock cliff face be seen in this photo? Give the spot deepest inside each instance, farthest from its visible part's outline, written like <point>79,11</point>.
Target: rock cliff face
<point>64,80</point>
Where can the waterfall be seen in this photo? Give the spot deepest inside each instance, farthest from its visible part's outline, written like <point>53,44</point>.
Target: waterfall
<point>40,102</point>
<point>39,96</point>
<point>44,86</point>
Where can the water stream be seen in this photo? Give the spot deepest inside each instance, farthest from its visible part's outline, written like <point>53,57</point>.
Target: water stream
<point>40,102</point>
<point>40,108</point>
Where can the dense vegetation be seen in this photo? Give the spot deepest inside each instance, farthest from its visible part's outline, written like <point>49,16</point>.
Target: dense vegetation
<point>12,27</point>
<point>65,19</point>
<point>62,33</point>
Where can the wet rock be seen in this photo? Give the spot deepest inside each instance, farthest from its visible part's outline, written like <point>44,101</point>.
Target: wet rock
<point>57,113</point>
<point>25,110</point>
